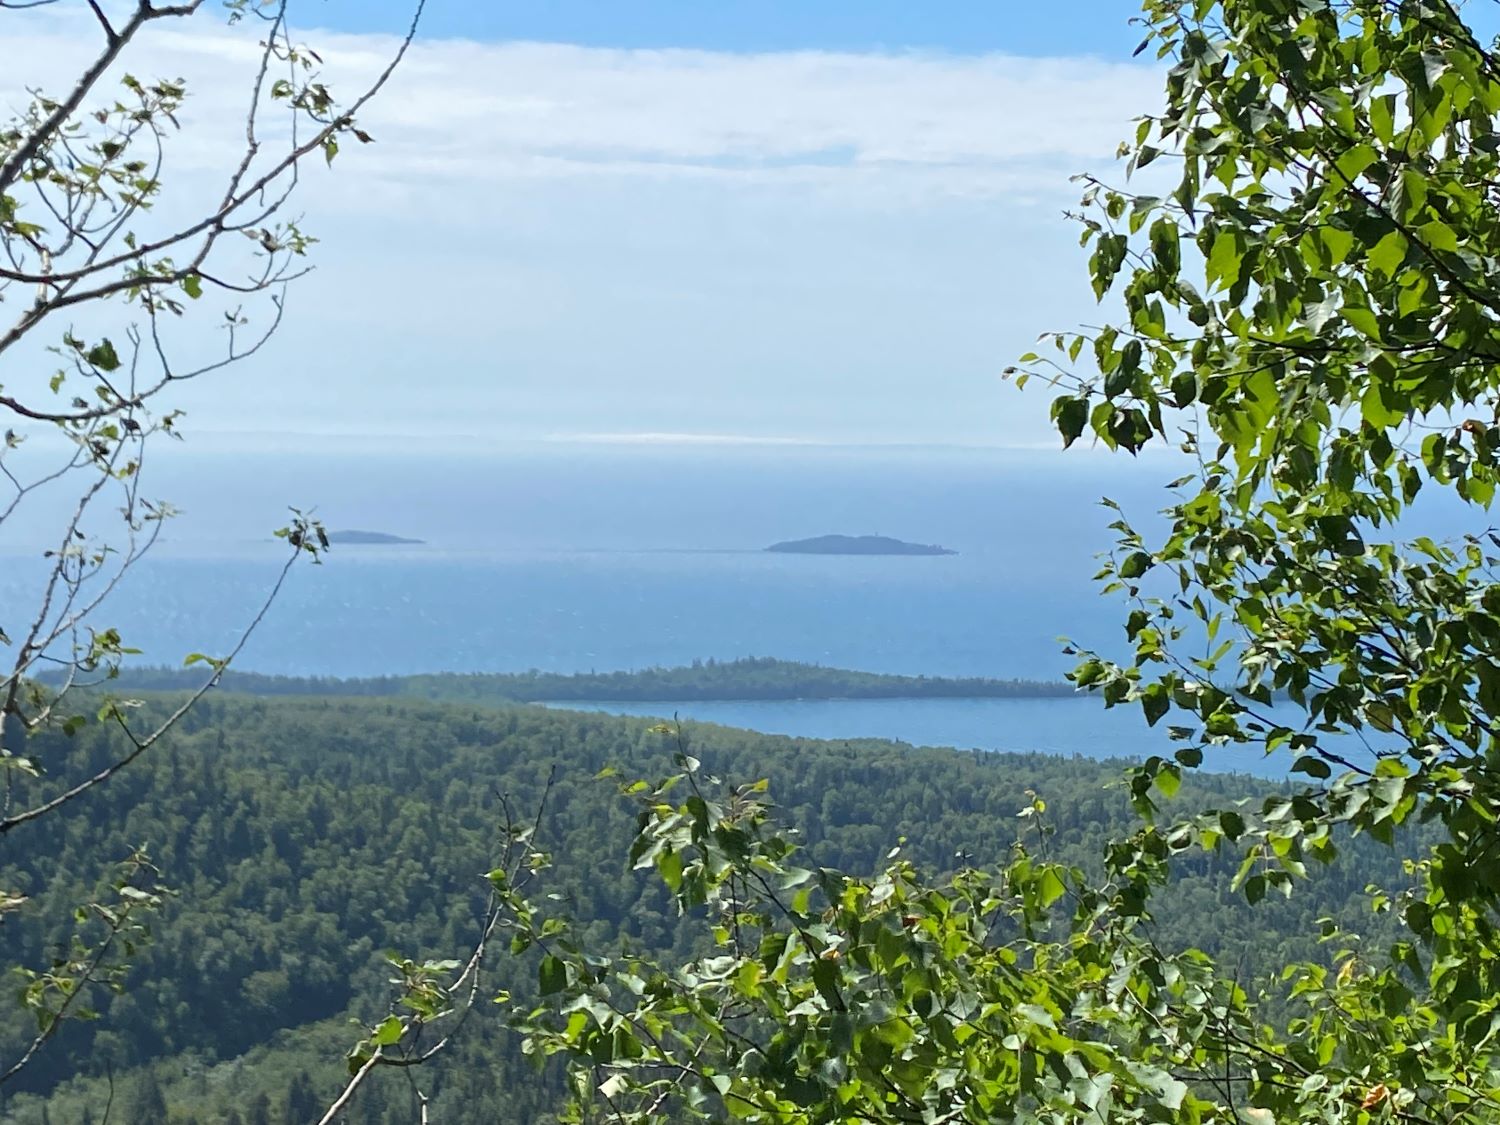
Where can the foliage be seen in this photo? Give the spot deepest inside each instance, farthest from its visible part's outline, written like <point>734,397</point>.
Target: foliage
<point>1300,304</point>
<point>1304,267</point>
<point>1031,991</point>
<point>97,954</point>
<point>308,837</point>
<point>834,998</point>
<point>1308,297</point>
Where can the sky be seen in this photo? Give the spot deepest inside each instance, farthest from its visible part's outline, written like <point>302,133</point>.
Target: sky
<point>957,26</point>
<point>662,221</point>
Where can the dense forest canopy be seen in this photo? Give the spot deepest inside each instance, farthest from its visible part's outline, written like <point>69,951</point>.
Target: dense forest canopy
<point>305,837</point>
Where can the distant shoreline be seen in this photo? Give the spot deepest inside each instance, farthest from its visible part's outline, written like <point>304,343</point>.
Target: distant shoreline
<point>1070,695</point>
<point>751,679</point>
<point>356,538</point>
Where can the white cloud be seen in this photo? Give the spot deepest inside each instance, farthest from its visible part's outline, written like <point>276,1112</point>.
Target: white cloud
<point>570,110</point>
<point>550,239</point>
<point>468,111</point>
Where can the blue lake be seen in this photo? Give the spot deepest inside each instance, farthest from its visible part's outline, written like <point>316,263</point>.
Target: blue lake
<point>627,560</point>
<point>595,561</point>
<point>1068,727</point>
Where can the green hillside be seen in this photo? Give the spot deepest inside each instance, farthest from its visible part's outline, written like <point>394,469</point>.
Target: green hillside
<point>307,836</point>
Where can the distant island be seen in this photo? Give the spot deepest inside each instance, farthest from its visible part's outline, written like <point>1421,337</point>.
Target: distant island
<point>367,538</point>
<point>856,545</point>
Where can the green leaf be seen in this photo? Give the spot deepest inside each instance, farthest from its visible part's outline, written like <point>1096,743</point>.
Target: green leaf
<point>103,356</point>
<point>1438,236</point>
<point>1168,781</point>
<point>1255,889</point>
<point>1337,242</point>
<point>1070,414</point>
<point>1376,411</point>
<point>669,866</point>
<point>1189,756</point>
<point>1354,161</point>
<point>1413,193</point>
<point>1362,320</point>
<point>1387,255</point>
<point>1225,257</point>
<point>1049,888</point>
<point>389,1032</point>
<point>1155,702</point>
<point>1311,765</point>
<point>1171,1092</point>
<point>825,976</point>
<point>1165,245</point>
<point>552,975</point>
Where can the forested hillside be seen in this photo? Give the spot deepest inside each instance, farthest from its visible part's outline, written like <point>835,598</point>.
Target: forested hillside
<point>307,836</point>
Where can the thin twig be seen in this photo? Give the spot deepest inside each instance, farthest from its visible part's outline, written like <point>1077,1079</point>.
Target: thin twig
<point>141,745</point>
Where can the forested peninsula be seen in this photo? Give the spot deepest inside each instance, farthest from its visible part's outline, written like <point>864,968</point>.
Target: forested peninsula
<point>751,678</point>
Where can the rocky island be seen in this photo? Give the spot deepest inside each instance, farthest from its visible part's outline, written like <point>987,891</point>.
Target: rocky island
<point>368,538</point>
<point>856,545</point>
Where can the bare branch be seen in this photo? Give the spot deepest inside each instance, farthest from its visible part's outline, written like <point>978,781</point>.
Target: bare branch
<point>519,848</point>
<point>66,288</point>
<point>354,1083</point>
<point>110,34</point>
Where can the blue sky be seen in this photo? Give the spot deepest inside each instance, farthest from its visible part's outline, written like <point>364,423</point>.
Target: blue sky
<point>1072,27</point>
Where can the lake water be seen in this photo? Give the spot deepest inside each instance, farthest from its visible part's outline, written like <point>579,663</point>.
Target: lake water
<point>569,561</point>
<point>616,560</point>
<point>1069,727</point>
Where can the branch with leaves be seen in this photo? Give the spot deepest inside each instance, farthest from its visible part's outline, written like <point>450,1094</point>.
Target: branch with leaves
<point>439,996</point>
<point>89,238</point>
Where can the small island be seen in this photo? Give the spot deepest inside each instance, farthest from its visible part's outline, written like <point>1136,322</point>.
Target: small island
<point>856,545</point>
<point>368,538</point>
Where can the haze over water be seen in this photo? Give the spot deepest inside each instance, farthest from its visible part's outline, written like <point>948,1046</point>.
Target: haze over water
<point>580,558</point>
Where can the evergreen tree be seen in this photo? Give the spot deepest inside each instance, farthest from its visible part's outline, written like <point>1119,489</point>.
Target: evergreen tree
<point>302,1103</point>
<point>149,1105</point>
